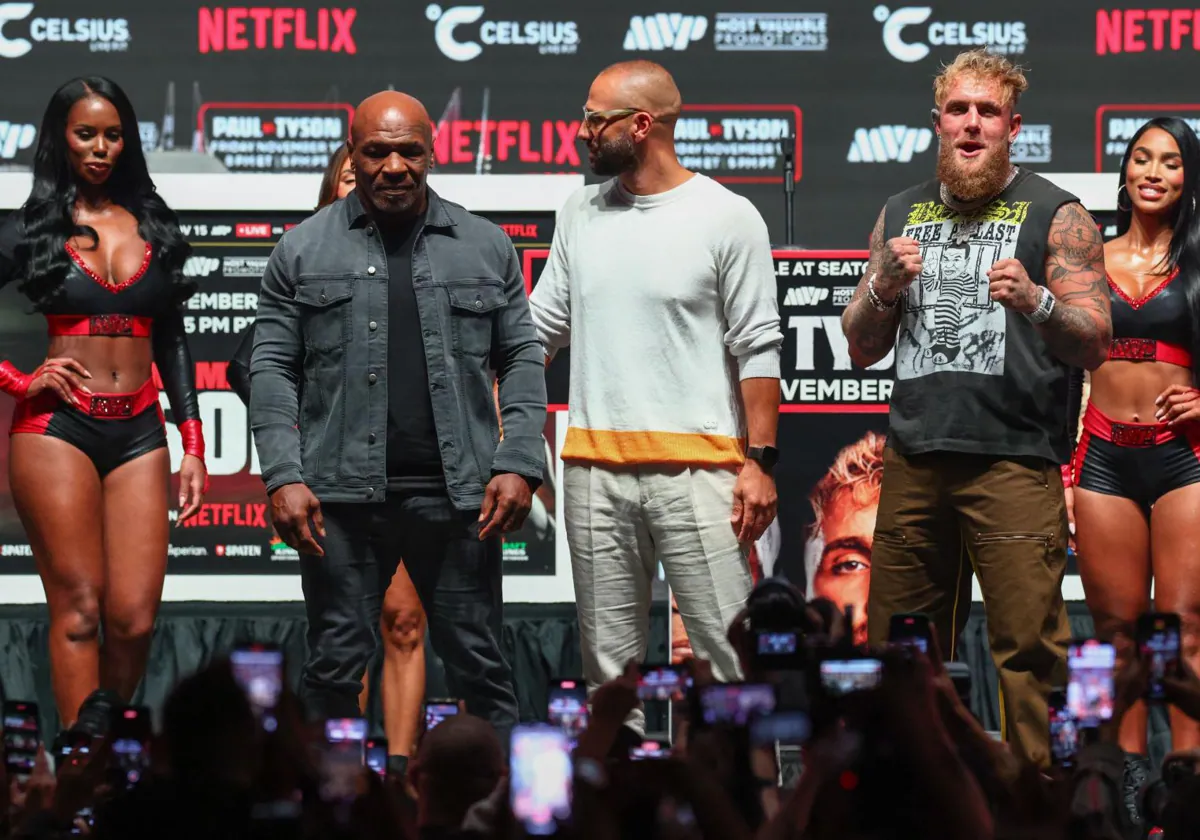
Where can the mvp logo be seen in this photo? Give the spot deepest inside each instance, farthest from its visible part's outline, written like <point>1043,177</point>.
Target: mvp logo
<point>200,266</point>
<point>805,296</point>
<point>15,137</point>
<point>664,31</point>
<point>888,143</point>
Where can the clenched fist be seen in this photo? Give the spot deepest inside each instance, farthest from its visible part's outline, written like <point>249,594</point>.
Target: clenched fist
<point>1009,285</point>
<point>899,264</point>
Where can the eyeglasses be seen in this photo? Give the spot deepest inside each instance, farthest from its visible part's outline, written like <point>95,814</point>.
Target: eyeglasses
<point>595,117</point>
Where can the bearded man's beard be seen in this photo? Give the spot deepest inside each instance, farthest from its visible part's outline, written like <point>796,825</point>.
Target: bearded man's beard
<point>973,180</point>
<point>613,156</point>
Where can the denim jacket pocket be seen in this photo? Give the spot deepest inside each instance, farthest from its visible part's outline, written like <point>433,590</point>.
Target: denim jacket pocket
<point>325,311</point>
<point>473,305</point>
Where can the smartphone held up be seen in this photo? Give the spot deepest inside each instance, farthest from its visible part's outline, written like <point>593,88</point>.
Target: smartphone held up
<point>22,737</point>
<point>540,775</point>
<point>1158,640</point>
<point>1090,691</point>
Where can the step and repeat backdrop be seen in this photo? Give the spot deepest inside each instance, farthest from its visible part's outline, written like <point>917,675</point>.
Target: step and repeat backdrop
<point>842,87</point>
<point>844,84</point>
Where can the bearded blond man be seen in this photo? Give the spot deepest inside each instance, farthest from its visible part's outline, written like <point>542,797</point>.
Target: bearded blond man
<point>988,282</point>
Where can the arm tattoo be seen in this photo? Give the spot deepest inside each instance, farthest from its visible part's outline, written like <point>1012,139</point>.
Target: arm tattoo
<point>1080,328</point>
<point>871,333</point>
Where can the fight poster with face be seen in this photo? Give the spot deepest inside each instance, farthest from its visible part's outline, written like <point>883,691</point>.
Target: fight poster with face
<point>832,429</point>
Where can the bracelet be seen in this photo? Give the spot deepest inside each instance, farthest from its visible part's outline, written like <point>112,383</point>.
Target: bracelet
<point>1067,478</point>
<point>13,382</point>
<point>193,438</point>
<point>877,303</point>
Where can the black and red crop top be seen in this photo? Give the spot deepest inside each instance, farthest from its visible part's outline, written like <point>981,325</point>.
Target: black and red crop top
<point>144,306</point>
<point>1154,328</point>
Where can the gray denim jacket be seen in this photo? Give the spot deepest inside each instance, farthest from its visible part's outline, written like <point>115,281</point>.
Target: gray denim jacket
<point>319,384</point>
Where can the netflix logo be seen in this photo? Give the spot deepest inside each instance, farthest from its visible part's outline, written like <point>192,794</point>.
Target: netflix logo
<point>253,230</point>
<point>263,27</point>
<point>1147,30</point>
<point>508,145</point>
<point>229,514</point>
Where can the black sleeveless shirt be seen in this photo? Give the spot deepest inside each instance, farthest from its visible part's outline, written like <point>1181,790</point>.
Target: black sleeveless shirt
<point>971,375</point>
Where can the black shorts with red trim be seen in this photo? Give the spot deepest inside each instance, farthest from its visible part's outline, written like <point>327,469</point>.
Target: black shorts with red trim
<point>110,429</point>
<point>1138,461</point>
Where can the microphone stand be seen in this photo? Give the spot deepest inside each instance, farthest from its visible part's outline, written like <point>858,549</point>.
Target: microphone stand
<point>788,152</point>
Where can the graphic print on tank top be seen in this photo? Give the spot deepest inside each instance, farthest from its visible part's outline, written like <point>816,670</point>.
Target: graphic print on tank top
<point>950,323</point>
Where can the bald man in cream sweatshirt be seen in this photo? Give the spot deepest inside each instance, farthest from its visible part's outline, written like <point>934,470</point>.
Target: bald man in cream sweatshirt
<point>661,280</point>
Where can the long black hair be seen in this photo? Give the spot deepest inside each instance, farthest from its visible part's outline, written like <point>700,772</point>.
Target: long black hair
<point>1184,254</point>
<point>48,215</point>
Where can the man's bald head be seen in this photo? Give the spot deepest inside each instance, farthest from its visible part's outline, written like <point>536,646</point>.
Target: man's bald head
<point>640,84</point>
<point>635,105</point>
<point>391,151</point>
<point>389,107</point>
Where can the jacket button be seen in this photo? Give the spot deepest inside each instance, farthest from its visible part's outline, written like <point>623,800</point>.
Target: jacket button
<point>371,438</point>
<point>370,492</point>
<point>371,378</point>
<point>478,303</point>
<point>370,228</point>
<point>370,269</point>
<point>322,298</point>
<point>372,325</point>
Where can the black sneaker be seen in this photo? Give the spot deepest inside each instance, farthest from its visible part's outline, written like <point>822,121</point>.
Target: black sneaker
<point>96,713</point>
<point>1137,771</point>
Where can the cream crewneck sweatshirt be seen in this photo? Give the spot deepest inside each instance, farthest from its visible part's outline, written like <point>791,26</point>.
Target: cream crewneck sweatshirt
<point>668,301</point>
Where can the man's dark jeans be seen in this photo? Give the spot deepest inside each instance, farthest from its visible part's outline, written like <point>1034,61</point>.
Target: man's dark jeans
<point>456,576</point>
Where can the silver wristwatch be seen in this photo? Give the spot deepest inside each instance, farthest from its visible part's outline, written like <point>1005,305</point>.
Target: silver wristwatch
<point>1045,306</point>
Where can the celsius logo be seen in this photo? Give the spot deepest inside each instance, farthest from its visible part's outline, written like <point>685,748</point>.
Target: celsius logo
<point>888,143</point>
<point>200,266</point>
<point>100,34</point>
<point>664,31</point>
<point>1000,37</point>
<point>15,137</point>
<point>550,37</point>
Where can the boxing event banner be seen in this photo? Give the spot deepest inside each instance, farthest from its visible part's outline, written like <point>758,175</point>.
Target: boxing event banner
<point>816,374</point>
<point>232,533</point>
<point>832,428</point>
<point>272,137</point>
<point>833,419</point>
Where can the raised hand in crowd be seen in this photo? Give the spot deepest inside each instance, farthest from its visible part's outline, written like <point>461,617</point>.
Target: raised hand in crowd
<point>1129,684</point>
<point>1183,691</point>
<point>30,797</point>
<point>909,702</point>
<point>611,704</point>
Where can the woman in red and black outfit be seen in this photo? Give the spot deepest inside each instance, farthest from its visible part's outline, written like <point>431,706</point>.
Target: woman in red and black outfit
<point>1136,467</point>
<point>98,252</point>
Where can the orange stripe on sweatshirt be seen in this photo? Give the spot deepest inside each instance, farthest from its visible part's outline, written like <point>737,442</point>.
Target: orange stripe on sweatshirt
<point>603,446</point>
